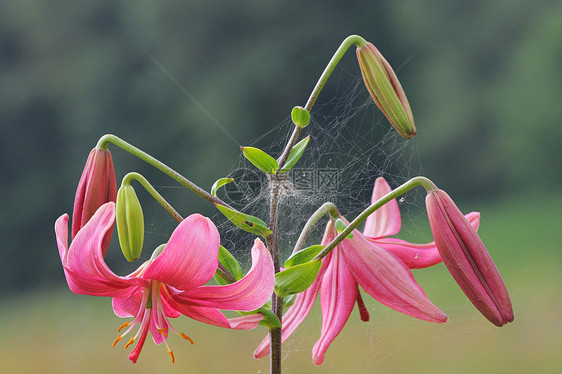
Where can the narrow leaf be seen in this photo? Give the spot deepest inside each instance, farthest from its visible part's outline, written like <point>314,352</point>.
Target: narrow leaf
<point>245,221</point>
<point>219,183</point>
<point>303,256</point>
<point>340,226</point>
<point>230,263</point>
<point>261,160</point>
<point>295,154</point>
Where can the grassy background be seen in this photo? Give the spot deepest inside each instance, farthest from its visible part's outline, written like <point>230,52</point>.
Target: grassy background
<point>54,331</point>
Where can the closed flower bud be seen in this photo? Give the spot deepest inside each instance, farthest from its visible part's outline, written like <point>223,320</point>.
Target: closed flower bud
<point>130,223</point>
<point>385,89</point>
<point>467,259</point>
<point>97,186</point>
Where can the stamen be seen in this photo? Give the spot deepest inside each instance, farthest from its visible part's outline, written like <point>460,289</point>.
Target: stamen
<point>123,326</point>
<point>186,337</point>
<point>162,331</point>
<point>171,355</point>
<point>116,341</point>
<point>131,341</point>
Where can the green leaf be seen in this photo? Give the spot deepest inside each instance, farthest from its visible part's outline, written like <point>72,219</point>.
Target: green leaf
<point>289,300</point>
<point>230,264</point>
<point>297,278</point>
<point>245,221</point>
<point>219,183</point>
<point>270,320</point>
<point>303,256</point>
<point>300,116</point>
<point>341,225</point>
<point>295,154</point>
<point>261,160</point>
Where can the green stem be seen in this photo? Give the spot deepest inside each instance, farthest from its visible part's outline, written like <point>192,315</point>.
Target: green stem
<point>148,187</point>
<point>329,208</point>
<point>344,46</point>
<point>104,141</point>
<point>417,181</point>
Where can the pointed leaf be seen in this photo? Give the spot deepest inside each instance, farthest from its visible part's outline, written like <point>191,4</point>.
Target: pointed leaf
<point>340,226</point>
<point>297,278</point>
<point>245,221</point>
<point>261,160</point>
<point>295,154</point>
<point>230,263</point>
<point>303,256</point>
<point>219,183</point>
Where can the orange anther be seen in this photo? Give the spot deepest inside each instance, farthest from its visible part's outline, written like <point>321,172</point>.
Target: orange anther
<point>116,341</point>
<point>123,326</point>
<point>172,355</point>
<point>162,331</point>
<point>186,337</point>
<point>131,341</point>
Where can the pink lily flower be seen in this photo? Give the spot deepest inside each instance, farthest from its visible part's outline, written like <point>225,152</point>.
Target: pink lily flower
<point>386,221</point>
<point>169,284</point>
<point>467,259</point>
<point>377,265</point>
<point>96,187</point>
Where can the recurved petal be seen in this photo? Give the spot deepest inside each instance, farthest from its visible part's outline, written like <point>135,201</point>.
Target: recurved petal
<point>417,256</point>
<point>245,322</point>
<point>83,264</point>
<point>338,294</point>
<point>385,221</point>
<point>190,257</point>
<point>249,293</point>
<point>383,276</point>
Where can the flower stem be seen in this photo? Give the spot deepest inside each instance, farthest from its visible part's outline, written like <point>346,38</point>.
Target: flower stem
<point>416,181</point>
<point>152,191</point>
<point>344,46</point>
<point>276,301</point>
<point>104,141</point>
<point>329,208</point>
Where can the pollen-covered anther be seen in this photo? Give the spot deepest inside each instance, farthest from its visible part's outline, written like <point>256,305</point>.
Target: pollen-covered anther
<point>131,341</point>
<point>123,326</point>
<point>116,341</point>
<point>162,331</point>
<point>171,355</point>
<point>186,337</point>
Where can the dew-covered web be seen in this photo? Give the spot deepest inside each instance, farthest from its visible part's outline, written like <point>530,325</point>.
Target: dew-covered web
<point>351,145</point>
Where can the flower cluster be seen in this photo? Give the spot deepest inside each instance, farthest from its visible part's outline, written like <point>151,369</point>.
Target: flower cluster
<point>175,280</point>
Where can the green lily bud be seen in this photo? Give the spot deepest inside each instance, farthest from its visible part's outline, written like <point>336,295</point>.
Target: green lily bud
<point>300,116</point>
<point>385,89</point>
<point>130,223</point>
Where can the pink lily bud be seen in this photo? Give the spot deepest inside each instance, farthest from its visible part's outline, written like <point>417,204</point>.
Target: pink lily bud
<point>386,90</point>
<point>467,259</point>
<point>97,186</point>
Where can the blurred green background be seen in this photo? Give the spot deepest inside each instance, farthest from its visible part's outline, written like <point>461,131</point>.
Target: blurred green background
<point>484,80</point>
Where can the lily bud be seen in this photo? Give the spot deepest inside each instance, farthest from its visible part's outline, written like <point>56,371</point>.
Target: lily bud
<point>96,187</point>
<point>467,259</point>
<point>385,89</point>
<point>130,223</point>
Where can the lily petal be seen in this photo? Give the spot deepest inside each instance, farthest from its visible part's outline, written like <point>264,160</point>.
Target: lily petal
<point>385,221</point>
<point>417,256</point>
<point>383,276</point>
<point>338,294</point>
<point>249,293</point>
<point>190,257</point>
<point>83,264</point>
